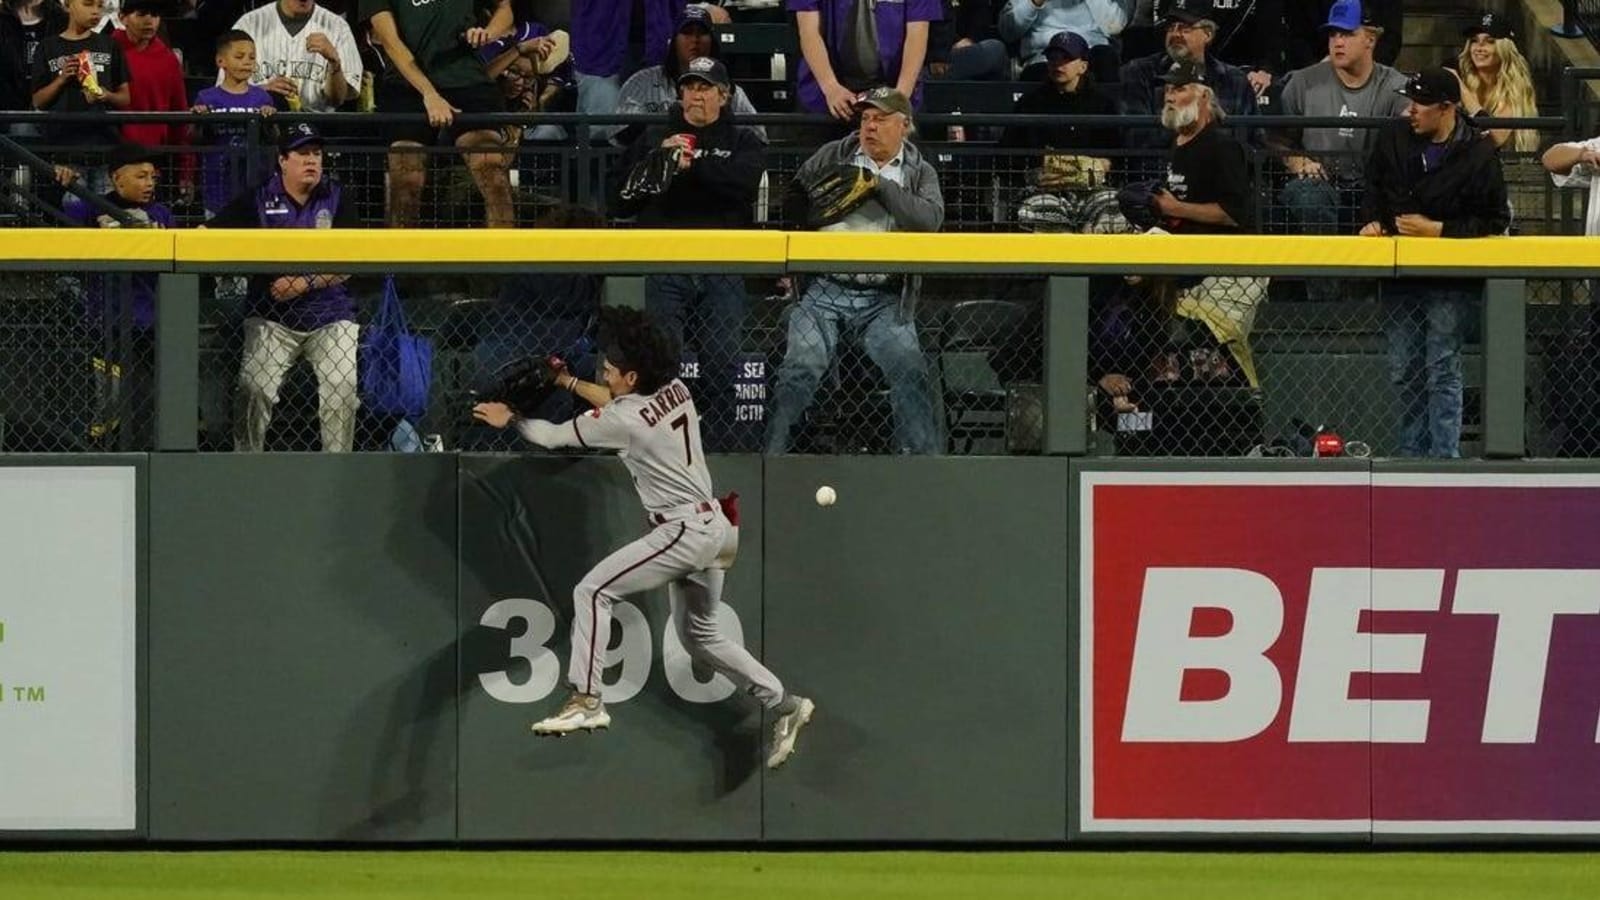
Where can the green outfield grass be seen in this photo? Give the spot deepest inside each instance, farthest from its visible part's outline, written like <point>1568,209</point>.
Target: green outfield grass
<point>526,875</point>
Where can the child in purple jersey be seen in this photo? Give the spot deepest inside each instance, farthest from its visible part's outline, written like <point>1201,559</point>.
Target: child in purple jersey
<point>225,170</point>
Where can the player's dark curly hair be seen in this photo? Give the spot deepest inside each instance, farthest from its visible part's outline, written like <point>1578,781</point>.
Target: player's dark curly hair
<point>633,343</point>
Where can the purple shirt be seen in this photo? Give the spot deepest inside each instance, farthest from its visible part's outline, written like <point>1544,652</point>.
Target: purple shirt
<point>891,15</point>
<point>600,33</point>
<point>270,206</point>
<point>97,304</point>
<point>223,172</point>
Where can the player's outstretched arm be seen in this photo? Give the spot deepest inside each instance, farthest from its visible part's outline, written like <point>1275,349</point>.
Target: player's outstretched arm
<point>596,395</point>
<point>538,431</point>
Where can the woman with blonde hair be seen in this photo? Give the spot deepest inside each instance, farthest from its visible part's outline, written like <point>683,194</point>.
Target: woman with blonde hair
<point>1495,80</point>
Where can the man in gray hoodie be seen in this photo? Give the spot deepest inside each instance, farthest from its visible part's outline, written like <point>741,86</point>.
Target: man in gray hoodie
<point>891,187</point>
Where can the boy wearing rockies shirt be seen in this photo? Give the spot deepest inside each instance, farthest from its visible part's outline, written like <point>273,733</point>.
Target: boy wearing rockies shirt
<point>644,412</point>
<point>223,172</point>
<point>307,54</point>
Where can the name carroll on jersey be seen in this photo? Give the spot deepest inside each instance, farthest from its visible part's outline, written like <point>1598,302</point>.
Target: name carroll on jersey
<point>663,402</point>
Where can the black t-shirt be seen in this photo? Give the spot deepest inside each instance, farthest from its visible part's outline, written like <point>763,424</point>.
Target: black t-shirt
<point>1212,168</point>
<point>56,52</point>
<point>32,35</point>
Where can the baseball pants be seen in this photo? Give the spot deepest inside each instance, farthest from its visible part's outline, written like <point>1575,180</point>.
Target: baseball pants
<point>678,554</point>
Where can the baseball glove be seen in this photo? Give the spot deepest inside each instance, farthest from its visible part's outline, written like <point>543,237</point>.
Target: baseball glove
<point>651,175</point>
<point>524,384</point>
<point>837,194</point>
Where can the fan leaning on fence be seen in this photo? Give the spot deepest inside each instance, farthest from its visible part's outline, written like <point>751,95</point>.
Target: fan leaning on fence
<point>291,316</point>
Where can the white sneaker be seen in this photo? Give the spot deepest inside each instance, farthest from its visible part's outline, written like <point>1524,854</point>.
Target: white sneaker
<point>786,730</point>
<point>581,712</point>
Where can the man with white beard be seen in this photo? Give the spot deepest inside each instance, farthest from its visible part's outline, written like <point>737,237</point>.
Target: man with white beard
<point>1207,188</point>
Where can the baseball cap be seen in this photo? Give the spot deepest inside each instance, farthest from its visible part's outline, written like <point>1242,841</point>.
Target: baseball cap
<point>128,154</point>
<point>1347,15</point>
<point>707,69</point>
<point>298,135</point>
<point>1432,86</point>
<point>885,98</point>
<point>1067,44</point>
<point>1495,26</point>
<point>696,15</point>
<point>1189,11</point>
<point>1183,73</point>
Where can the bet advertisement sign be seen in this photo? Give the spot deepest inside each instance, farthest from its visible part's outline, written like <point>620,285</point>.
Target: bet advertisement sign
<point>1339,653</point>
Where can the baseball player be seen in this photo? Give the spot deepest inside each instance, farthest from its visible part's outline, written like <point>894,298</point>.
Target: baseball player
<point>644,412</point>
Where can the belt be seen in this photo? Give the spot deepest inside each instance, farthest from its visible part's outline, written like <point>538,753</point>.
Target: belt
<point>682,512</point>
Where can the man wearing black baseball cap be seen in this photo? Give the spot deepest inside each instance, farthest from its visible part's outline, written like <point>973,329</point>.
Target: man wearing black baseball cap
<point>1189,28</point>
<point>1432,175</point>
<point>698,170</point>
<point>295,315</point>
<point>1068,89</point>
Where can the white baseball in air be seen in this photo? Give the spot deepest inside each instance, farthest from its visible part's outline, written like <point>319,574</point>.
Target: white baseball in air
<point>826,496</point>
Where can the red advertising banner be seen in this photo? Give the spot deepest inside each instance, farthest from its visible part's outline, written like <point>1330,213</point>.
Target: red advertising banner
<point>1340,652</point>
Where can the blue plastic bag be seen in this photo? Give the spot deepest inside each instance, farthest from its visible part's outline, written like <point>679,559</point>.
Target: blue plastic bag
<point>396,365</point>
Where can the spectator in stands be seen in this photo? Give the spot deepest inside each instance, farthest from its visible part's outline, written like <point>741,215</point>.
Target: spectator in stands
<point>600,45</point>
<point>125,373</point>
<point>81,71</point>
<point>533,67</point>
<point>1323,195</point>
<point>853,46</point>
<point>1250,35</point>
<point>434,69</point>
<point>713,170</point>
<point>657,88</point>
<point>1432,175</point>
<point>1496,82</point>
<point>24,24</point>
<point>307,54</point>
<point>301,315</point>
<point>1032,23</point>
<point>1574,164</point>
<point>904,196</point>
<point>963,44</point>
<point>223,171</point>
<point>1189,30</point>
<point>155,79</point>
<point>1208,190</point>
<point>1068,89</point>
<point>1304,20</point>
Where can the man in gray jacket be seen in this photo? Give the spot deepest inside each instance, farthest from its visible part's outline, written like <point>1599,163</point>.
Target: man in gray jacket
<point>873,180</point>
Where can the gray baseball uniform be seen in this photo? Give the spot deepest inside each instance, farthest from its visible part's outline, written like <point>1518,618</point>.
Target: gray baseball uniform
<point>688,549</point>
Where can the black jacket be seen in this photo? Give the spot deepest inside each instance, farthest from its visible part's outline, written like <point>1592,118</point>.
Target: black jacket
<point>719,188</point>
<point>15,78</point>
<point>1466,191</point>
<point>1044,100</point>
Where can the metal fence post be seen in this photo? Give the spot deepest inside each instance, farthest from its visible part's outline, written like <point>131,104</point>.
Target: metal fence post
<point>177,361</point>
<point>1066,366</point>
<point>1569,21</point>
<point>1505,367</point>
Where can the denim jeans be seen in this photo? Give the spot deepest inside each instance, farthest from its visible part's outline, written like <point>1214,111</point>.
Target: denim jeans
<point>1424,323</point>
<point>984,61</point>
<point>597,95</point>
<point>710,309</point>
<point>889,336</point>
<point>1313,206</point>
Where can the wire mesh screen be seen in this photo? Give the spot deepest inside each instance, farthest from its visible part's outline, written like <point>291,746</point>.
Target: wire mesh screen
<point>77,362</point>
<point>1563,374</point>
<point>1215,367</point>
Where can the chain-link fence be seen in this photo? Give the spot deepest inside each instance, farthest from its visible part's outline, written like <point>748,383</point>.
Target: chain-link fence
<point>1563,373</point>
<point>77,362</point>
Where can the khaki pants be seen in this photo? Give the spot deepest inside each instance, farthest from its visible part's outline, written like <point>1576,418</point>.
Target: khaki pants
<point>270,350</point>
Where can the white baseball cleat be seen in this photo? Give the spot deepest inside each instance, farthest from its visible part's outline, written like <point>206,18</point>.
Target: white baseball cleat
<point>786,729</point>
<point>581,712</point>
